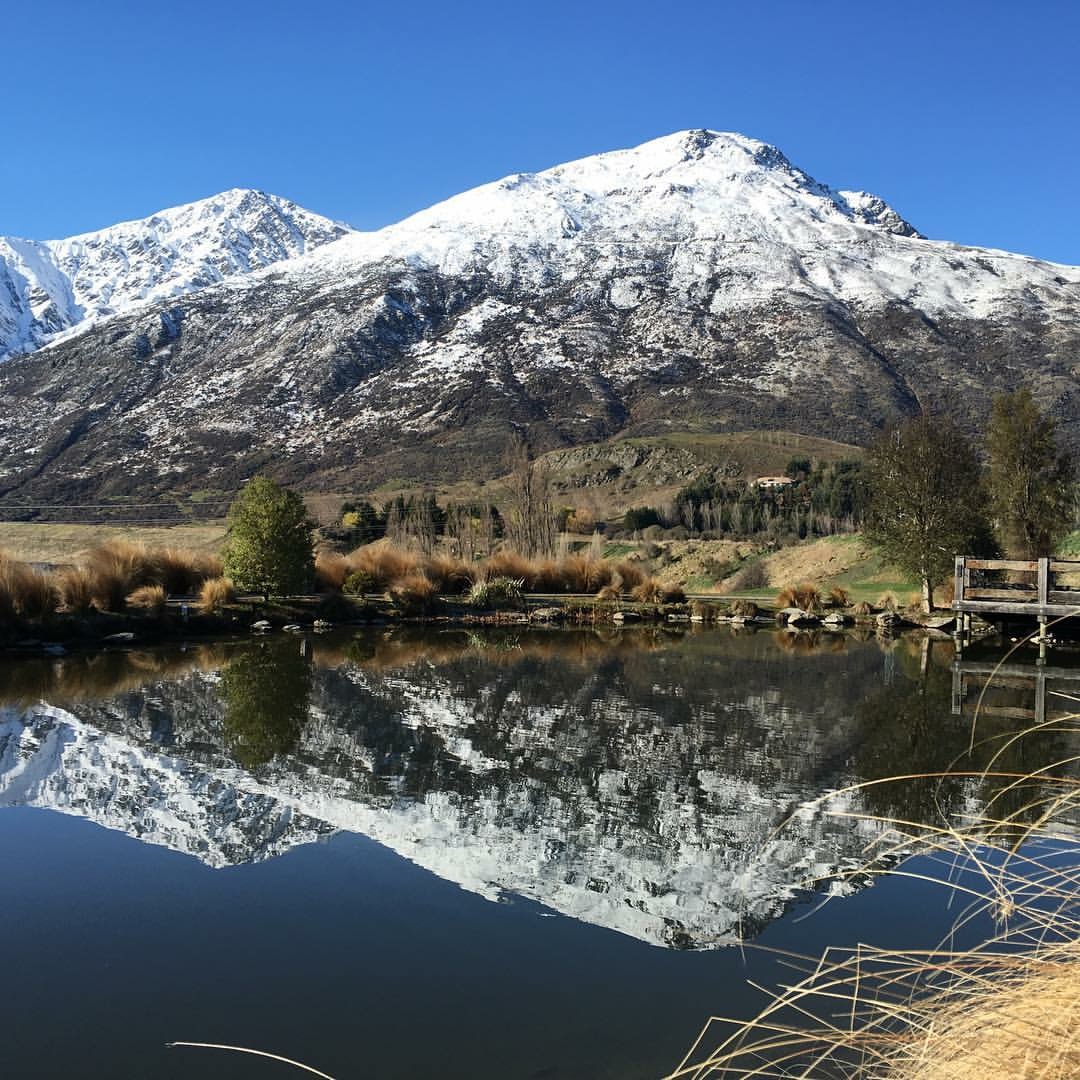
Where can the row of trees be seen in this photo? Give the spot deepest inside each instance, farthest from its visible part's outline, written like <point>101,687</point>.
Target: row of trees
<point>922,496</point>
<point>930,498</point>
<point>824,498</point>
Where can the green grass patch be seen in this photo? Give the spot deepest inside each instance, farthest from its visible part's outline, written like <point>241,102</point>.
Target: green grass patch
<point>1069,548</point>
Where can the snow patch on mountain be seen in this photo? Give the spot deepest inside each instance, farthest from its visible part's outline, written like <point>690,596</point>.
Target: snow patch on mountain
<point>50,286</point>
<point>727,219</point>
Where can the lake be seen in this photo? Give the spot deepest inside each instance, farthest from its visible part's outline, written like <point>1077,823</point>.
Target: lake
<point>412,853</point>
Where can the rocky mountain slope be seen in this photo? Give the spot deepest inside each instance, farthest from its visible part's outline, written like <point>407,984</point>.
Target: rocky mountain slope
<point>51,286</point>
<point>700,280</point>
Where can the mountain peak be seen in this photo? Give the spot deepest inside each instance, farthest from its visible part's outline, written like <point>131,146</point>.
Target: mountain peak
<point>47,287</point>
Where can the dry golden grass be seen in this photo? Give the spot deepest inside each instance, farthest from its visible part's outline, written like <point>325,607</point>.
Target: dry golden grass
<point>449,574</point>
<point>805,596</point>
<point>24,591</point>
<point>215,594</point>
<point>383,563</point>
<point>610,593</point>
<point>149,598</point>
<point>1026,1027</point>
<point>1008,1009</point>
<point>510,564</point>
<point>383,567</point>
<point>65,544</point>
<point>331,570</point>
<point>414,594</point>
<point>630,572</point>
<point>650,591</point>
<point>76,588</point>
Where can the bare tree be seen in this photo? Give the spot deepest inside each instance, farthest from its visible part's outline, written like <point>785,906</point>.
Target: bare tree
<point>531,525</point>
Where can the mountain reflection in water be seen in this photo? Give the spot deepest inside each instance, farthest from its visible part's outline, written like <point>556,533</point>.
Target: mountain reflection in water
<point>634,779</point>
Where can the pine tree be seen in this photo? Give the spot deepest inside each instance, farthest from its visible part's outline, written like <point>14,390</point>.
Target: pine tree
<point>269,549</point>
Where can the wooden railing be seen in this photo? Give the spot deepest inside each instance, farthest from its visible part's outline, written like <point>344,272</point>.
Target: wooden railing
<point>1044,588</point>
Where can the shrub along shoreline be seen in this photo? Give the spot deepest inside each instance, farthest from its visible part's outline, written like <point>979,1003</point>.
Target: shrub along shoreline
<point>122,589</point>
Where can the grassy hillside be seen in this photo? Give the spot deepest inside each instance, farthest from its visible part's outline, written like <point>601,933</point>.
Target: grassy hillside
<point>608,477</point>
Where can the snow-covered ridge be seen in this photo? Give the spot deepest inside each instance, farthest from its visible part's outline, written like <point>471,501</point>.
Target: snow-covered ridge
<point>49,286</point>
<point>698,275</point>
<point>722,220</point>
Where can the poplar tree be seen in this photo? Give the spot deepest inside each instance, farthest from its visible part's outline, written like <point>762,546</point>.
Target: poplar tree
<point>1030,481</point>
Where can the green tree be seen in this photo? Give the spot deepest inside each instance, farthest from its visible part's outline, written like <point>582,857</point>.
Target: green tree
<point>270,547</point>
<point>926,501</point>
<point>1030,482</point>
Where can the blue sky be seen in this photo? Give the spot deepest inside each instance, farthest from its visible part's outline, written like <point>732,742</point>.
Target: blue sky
<point>964,115</point>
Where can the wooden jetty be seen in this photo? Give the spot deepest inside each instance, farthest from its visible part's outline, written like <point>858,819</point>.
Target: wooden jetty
<point>1041,589</point>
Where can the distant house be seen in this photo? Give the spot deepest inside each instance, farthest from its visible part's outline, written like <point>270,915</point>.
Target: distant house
<point>773,482</point>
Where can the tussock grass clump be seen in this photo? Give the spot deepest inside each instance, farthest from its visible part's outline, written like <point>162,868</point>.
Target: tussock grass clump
<point>414,594</point>
<point>75,586</point>
<point>630,573</point>
<point>331,571</point>
<point>180,572</point>
<point>451,576</point>
<point>650,591</point>
<point>385,564</point>
<point>109,589</point>
<point>118,566</point>
<point>215,594</point>
<point>839,597</point>
<point>149,598</point>
<point>584,573</point>
<point>488,594</point>
<point>744,609</point>
<point>545,577</point>
<point>509,564</point>
<point>610,593</point>
<point>24,591</point>
<point>805,597</point>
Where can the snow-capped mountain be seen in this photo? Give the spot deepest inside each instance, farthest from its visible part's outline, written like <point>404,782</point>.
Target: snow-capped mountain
<point>700,279</point>
<point>54,285</point>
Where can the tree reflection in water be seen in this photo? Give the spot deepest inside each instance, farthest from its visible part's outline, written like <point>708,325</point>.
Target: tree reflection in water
<point>265,691</point>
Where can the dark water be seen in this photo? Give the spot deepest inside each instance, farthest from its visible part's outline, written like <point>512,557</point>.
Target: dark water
<point>537,854</point>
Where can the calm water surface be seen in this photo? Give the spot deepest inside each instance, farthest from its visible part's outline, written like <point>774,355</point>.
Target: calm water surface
<point>404,854</point>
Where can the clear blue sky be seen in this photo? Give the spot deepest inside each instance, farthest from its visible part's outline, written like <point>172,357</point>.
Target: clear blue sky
<point>965,115</point>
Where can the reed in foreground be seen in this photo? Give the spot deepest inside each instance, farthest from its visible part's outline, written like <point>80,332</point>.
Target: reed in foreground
<point>1007,1009</point>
